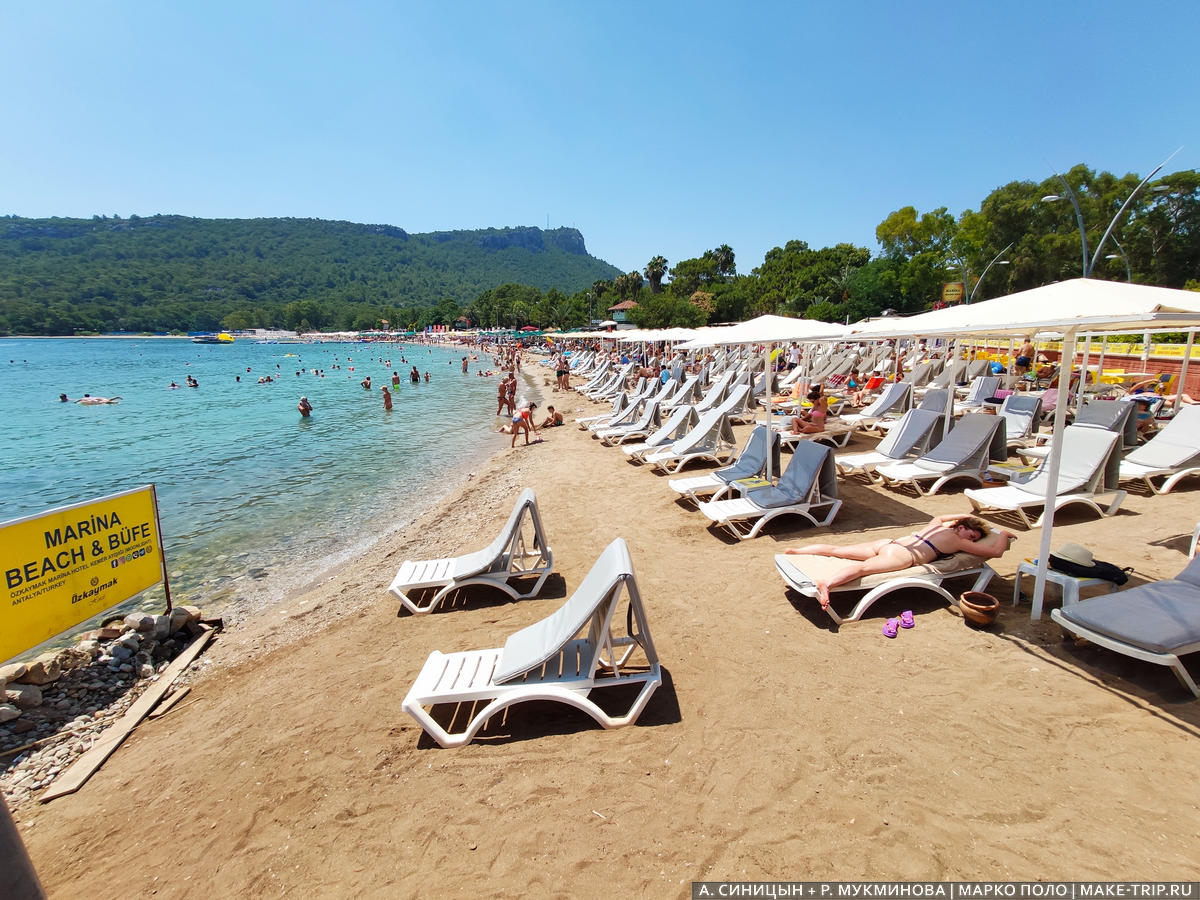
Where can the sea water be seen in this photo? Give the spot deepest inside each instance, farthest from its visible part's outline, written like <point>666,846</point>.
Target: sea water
<point>254,500</point>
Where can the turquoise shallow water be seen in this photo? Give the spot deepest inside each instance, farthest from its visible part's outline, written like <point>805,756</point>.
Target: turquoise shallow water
<point>245,485</point>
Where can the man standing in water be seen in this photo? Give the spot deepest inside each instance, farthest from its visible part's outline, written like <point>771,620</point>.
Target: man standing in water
<point>304,406</point>
<point>464,367</point>
<point>414,376</point>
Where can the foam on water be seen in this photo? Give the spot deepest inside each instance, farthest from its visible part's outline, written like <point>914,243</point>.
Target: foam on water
<point>245,485</point>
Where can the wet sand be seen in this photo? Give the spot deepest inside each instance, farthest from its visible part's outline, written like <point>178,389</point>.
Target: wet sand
<point>778,747</point>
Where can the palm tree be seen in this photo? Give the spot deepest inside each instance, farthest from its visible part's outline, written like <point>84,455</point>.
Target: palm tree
<point>655,270</point>
<point>723,256</point>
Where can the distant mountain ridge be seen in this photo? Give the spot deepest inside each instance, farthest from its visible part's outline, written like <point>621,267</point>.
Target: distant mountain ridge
<point>174,272</point>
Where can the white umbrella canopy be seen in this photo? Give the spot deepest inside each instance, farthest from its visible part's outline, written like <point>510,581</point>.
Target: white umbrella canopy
<point>1082,304</point>
<point>766,329</point>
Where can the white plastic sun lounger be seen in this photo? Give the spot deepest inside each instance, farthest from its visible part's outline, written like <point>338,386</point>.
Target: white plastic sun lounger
<point>1157,622</point>
<point>627,416</point>
<point>801,570</point>
<point>836,433</point>
<point>509,557</point>
<point>1022,413</point>
<point>895,400</point>
<point>946,378</point>
<point>684,393</point>
<point>682,421</point>
<point>712,439</point>
<point>751,462</point>
<point>1110,415</point>
<point>807,488</point>
<point>936,400</point>
<point>912,433</point>
<point>563,658</point>
<point>596,377</point>
<point>620,403</point>
<point>650,420</point>
<point>1172,454</point>
<point>982,387</point>
<point>1089,467</point>
<point>964,453</point>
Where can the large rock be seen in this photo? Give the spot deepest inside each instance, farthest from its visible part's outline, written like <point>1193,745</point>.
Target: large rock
<point>43,670</point>
<point>26,696</point>
<point>78,656</point>
<point>13,671</point>
<point>162,626</point>
<point>139,622</point>
<point>180,617</point>
<point>8,712</point>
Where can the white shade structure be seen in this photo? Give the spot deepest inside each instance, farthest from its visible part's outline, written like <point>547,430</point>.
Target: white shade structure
<point>768,329</point>
<point>1082,304</point>
<point>1079,305</point>
<point>765,330</point>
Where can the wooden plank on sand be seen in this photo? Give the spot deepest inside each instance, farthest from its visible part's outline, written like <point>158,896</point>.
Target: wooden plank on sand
<point>81,770</point>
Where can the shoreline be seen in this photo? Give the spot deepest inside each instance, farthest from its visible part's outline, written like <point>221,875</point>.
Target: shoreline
<point>487,464</point>
<point>778,744</point>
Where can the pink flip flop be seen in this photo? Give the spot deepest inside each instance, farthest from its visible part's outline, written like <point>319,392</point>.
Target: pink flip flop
<point>906,619</point>
<point>890,628</point>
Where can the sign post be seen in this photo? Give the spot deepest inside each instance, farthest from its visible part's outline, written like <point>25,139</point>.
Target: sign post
<point>63,566</point>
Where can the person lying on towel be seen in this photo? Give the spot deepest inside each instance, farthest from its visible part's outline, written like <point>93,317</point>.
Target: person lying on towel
<point>940,539</point>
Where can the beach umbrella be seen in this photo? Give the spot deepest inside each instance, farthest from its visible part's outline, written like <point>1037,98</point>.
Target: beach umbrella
<point>1082,304</point>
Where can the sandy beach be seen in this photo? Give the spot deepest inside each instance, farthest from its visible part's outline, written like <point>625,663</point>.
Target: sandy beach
<point>778,747</point>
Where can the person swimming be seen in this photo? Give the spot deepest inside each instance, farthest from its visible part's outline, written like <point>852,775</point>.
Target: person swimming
<point>89,400</point>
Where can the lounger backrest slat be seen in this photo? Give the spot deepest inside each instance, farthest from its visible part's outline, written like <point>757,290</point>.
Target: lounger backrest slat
<point>1113,416</point>
<point>895,397</point>
<point>919,375</point>
<point>1088,458</point>
<point>1177,445</point>
<point>982,387</point>
<point>804,476</point>
<point>680,423</point>
<point>968,442</point>
<point>910,434</point>
<point>753,458</point>
<point>1022,413</point>
<point>936,400</point>
<point>495,555</point>
<point>595,598</point>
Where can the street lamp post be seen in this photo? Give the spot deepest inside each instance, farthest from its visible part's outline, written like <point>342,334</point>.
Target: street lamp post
<point>996,261</point>
<point>1125,259</point>
<point>1089,262</point>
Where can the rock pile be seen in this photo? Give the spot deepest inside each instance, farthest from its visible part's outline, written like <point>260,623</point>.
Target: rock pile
<point>72,694</point>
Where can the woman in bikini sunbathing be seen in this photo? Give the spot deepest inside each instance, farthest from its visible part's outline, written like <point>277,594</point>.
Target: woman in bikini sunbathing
<point>940,539</point>
<point>812,421</point>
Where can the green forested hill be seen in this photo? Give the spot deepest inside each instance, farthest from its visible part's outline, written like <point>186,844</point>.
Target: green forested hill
<point>62,276</point>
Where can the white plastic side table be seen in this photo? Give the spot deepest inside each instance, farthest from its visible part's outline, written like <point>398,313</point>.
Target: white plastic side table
<point>1069,585</point>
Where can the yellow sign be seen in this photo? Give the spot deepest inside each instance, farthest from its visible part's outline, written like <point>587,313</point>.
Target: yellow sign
<point>68,564</point>
<point>953,292</point>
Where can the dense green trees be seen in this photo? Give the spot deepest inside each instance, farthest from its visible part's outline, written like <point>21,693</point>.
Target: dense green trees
<point>166,273</point>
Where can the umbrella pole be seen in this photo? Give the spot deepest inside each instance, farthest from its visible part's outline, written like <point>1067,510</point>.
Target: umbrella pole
<point>1054,463</point>
<point>1187,354</point>
<point>1083,371</point>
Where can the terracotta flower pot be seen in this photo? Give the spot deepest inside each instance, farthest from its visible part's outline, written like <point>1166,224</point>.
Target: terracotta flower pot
<point>978,608</point>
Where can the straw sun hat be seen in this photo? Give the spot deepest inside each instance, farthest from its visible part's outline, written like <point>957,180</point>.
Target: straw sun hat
<point>1075,553</point>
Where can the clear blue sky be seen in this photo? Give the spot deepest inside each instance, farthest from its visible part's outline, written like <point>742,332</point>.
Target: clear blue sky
<point>652,127</point>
